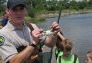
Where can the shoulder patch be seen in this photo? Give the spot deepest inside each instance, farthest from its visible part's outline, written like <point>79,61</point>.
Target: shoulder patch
<point>2,40</point>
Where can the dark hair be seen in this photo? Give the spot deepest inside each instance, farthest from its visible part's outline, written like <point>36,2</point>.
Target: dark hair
<point>64,44</point>
<point>59,44</point>
<point>67,44</point>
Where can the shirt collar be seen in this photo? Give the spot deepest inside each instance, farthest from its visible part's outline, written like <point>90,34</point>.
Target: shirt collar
<point>12,27</point>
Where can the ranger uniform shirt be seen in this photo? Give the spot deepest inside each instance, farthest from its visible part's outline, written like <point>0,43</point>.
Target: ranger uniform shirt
<point>11,38</point>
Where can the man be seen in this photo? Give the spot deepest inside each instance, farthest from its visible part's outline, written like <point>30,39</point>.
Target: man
<point>16,34</point>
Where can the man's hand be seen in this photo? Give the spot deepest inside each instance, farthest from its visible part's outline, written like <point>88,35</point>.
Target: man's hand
<point>55,27</point>
<point>36,34</point>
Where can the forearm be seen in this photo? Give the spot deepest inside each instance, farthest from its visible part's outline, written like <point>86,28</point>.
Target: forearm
<point>61,36</point>
<point>52,39</point>
<point>22,56</point>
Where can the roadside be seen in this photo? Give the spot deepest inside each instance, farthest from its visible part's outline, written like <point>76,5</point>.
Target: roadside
<point>39,18</point>
<point>64,13</point>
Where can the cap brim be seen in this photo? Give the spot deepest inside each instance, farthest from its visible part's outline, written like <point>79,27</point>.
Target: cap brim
<point>17,5</point>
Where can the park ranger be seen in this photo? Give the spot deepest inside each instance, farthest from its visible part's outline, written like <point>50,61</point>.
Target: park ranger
<point>16,34</point>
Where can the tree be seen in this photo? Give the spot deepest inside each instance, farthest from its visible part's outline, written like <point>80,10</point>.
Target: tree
<point>35,6</point>
<point>2,5</point>
<point>73,5</point>
<point>90,3</point>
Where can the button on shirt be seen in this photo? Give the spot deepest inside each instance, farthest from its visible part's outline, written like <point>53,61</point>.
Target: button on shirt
<point>11,38</point>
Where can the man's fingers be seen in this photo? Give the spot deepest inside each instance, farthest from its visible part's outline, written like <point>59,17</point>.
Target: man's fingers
<point>55,26</point>
<point>54,23</point>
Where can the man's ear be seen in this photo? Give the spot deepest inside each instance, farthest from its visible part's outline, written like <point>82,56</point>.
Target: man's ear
<point>7,11</point>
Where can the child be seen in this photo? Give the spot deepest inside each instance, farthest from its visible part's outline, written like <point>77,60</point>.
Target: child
<point>63,51</point>
<point>89,57</point>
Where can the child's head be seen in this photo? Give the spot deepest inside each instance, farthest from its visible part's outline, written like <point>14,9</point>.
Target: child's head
<point>64,45</point>
<point>89,57</point>
<point>67,44</point>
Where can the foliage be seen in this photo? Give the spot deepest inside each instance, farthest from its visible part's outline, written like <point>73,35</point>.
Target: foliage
<point>2,6</point>
<point>36,7</point>
<point>34,20</point>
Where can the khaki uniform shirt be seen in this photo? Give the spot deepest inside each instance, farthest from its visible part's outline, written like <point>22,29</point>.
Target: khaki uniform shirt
<point>11,38</point>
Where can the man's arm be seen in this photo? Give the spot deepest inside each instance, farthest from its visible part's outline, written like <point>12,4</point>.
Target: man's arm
<point>52,38</point>
<point>23,55</point>
<point>9,53</point>
<point>61,36</point>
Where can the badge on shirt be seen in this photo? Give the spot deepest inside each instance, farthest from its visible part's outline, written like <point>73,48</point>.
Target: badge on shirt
<point>2,40</point>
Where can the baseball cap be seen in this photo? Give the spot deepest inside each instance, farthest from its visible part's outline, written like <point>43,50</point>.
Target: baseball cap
<point>13,3</point>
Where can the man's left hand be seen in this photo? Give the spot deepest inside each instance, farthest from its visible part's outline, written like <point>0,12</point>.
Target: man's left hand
<point>55,27</point>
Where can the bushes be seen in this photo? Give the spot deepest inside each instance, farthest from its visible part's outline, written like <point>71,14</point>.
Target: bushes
<point>34,20</point>
<point>31,12</point>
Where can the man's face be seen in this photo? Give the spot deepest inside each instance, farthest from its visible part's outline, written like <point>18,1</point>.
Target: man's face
<point>17,14</point>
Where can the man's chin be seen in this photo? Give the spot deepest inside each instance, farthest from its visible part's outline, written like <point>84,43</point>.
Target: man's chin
<point>19,22</point>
